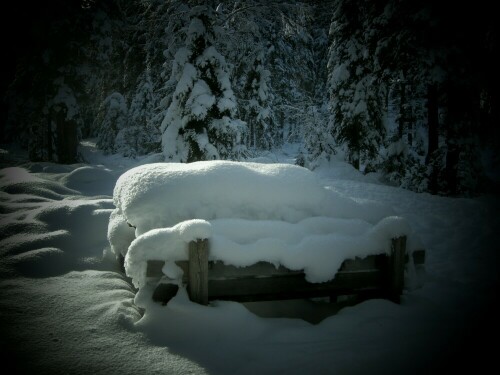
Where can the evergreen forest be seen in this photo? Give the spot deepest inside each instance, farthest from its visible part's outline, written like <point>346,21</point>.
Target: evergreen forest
<point>402,88</point>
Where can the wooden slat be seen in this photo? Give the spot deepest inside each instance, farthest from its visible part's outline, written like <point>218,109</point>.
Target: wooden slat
<point>292,286</point>
<point>218,270</point>
<point>370,277</point>
<point>262,269</point>
<point>154,268</point>
<point>419,257</point>
<point>360,264</point>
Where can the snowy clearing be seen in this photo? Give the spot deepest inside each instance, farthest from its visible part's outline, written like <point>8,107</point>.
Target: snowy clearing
<point>65,307</point>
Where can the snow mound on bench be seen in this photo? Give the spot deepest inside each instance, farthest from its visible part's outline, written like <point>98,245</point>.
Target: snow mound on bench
<point>252,212</point>
<point>163,194</point>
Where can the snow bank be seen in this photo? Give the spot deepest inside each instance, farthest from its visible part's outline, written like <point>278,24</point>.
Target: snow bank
<point>90,180</point>
<point>279,213</point>
<point>18,181</point>
<point>47,228</point>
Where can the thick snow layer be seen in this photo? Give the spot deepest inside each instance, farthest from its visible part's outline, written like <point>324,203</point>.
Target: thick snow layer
<point>278,213</point>
<point>164,194</point>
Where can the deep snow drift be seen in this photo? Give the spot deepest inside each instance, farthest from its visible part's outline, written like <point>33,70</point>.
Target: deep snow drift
<point>65,306</point>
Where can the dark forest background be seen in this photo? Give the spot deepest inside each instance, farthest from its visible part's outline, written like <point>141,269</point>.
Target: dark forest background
<point>407,89</point>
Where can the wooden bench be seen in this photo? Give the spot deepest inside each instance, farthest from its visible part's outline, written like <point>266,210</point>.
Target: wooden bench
<point>376,276</point>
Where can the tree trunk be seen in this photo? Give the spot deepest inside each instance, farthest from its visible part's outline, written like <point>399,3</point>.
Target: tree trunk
<point>462,121</point>
<point>67,138</point>
<point>454,118</point>
<point>402,110</point>
<point>355,158</point>
<point>49,137</point>
<point>433,124</point>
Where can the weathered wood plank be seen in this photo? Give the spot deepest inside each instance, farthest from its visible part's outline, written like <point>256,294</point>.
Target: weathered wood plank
<point>360,264</point>
<point>418,257</point>
<point>262,269</point>
<point>292,286</point>
<point>154,268</point>
<point>198,271</point>
<point>371,277</point>
<point>218,270</point>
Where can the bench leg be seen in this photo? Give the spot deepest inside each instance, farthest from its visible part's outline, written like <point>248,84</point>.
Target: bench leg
<point>198,271</point>
<point>397,268</point>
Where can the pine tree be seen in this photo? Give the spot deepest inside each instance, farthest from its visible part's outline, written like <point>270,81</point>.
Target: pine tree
<point>112,120</point>
<point>319,143</point>
<point>140,136</point>
<point>257,106</point>
<point>436,60</point>
<point>199,123</point>
<point>274,37</point>
<point>247,48</point>
<point>293,68</point>
<point>166,35</point>
<point>355,99</point>
<point>398,61</point>
<point>105,55</point>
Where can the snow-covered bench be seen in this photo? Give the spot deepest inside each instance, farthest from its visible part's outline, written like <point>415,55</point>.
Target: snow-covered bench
<point>375,276</point>
<point>248,231</point>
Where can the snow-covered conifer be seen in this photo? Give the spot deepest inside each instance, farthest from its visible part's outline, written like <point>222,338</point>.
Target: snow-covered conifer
<point>355,98</point>
<point>257,106</point>
<point>140,136</point>
<point>200,122</point>
<point>111,120</point>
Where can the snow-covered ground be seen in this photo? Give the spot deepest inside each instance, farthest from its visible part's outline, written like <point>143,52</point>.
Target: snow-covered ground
<point>65,307</point>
